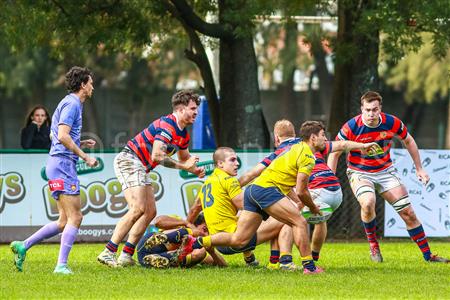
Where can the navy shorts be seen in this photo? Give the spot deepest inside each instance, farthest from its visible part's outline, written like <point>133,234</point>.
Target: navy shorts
<point>62,176</point>
<point>257,198</point>
<point>230,250</point>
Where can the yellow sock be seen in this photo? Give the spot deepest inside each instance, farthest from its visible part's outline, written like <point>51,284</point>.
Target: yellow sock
<point>189,231</point>
<point>308,257</point>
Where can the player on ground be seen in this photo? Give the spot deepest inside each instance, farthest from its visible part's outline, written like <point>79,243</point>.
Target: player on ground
<point>270,194</point>
<point>156,253</point>
<point>323,184</point>
<point>368,174</point>
<point>151,147</point>
<point>220,199</point>
<point>61,170</point>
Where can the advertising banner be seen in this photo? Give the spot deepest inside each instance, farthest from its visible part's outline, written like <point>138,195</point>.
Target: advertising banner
<point>430,202</point>
<point>26,203</point>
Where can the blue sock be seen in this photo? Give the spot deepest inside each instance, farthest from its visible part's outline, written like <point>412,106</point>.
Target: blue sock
<point>315,255</point>
<point>285,259</point>
<point>274,256</point>
<point>418,236</point>
<point>112,247</point>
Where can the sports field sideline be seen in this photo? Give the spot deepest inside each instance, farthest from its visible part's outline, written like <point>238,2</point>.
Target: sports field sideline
<point>349,274</point>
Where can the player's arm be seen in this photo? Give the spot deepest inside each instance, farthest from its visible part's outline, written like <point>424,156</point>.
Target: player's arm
<point>410,144</point>
<point>168,222</point>
<point>65,139</point>
<point>159,155</point>
<point>251,174</point>
<point>195,209</point>
<point>238,201</point>
<point>218,259</point>
<point>339,146</point>
<point>294,197</point>
<point>303,192</point>
<point>333,159</point>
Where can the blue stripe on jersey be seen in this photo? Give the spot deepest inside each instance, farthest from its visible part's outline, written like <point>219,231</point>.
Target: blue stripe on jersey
<point>181,133</point>
<point>147,163</point>
<point>357,130</point>
<point>329,182</point>
<point>371,168</point>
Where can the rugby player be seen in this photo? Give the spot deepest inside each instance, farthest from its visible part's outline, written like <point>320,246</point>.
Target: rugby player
<point>61,170</point>
<point>375,173</point>
<point>270,194</point>
<point>153,146</point>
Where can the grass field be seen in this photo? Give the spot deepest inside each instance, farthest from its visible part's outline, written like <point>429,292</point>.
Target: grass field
<point>349,274</point>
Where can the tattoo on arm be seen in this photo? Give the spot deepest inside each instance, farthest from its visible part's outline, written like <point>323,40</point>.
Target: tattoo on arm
<point>167,161</point>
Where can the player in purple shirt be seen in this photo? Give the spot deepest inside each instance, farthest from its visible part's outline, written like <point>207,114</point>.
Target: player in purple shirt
<point>61,170</point>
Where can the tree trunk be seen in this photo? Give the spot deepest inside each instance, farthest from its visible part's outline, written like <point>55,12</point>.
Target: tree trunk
<point>288,61</point>
<point>242,120</point>
<point>356,67</point>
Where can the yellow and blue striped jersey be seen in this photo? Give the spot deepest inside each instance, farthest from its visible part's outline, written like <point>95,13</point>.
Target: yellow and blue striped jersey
<point>282,172</point>
<point>215,197</point>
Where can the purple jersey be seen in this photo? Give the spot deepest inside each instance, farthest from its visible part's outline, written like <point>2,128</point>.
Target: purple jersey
<point>68,112</point>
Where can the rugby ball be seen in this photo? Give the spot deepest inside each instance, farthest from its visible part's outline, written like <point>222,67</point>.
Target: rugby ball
<point>326,210</point>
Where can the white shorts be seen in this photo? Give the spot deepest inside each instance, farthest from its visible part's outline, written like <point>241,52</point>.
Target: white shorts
<point>378,181</point>
<point>130,171</point>
<point>332,198</point>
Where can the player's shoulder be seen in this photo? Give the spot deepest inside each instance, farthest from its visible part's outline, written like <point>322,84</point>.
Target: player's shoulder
<point>389,117</point>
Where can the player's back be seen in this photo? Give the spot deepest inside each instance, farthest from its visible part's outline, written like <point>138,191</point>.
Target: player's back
<point>282,172</point>
<point>216,198</point>
<point>68,112</point>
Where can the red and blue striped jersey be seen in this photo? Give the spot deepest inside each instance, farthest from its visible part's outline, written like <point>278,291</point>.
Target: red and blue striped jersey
<point>164,129</point>
<point>356,130</point>
<point>284,146</point>
<point>322,176</point>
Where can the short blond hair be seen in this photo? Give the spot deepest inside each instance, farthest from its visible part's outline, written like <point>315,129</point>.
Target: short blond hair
<point>221,154</point>
<point>284,129</point>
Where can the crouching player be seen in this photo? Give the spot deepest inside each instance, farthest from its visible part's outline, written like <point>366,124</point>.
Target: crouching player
<point>157,248</point>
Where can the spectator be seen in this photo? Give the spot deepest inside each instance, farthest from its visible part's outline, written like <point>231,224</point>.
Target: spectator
<point>36,133</point>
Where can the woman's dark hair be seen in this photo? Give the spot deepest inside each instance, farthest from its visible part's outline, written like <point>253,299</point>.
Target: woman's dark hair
<point>75,77</point>
<point>47,121</point>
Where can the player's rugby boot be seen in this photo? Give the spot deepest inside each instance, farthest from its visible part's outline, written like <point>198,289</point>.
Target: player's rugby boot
<point>375,254</point>
<point>290,267</point>
<point>318,270</point>
<point>126,260</point>
<point>435,258</point>
<point>156,261</point>
<point>158,238</point>
<point>271,266</point>
<point>62,269</point>
<point>18,248</point>
<point>108,258</point>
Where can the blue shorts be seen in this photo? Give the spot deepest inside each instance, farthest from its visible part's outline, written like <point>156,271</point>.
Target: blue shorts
<point>257,198</point>
<point>230,250</point>
<point>62,176</point>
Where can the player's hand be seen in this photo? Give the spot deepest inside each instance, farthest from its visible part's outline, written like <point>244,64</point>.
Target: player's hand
<point>423,176</point>
<point>191,163</point>
<point>370,148</point>
<point>200,172</point>
<point>315,210</point>
<point>89,143</point>
<point>91,161</point>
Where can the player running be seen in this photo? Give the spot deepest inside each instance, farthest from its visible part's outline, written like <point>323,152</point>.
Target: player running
<point>61,171</point>
<point>370,173</point>
<point>153,146</point>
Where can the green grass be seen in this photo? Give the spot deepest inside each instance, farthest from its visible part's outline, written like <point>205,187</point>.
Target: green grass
<point>349,274</point>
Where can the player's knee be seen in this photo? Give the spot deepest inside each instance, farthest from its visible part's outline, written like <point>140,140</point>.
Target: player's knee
<point>136,212</point>
<point>408,215</point>
<point>367,206</point>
